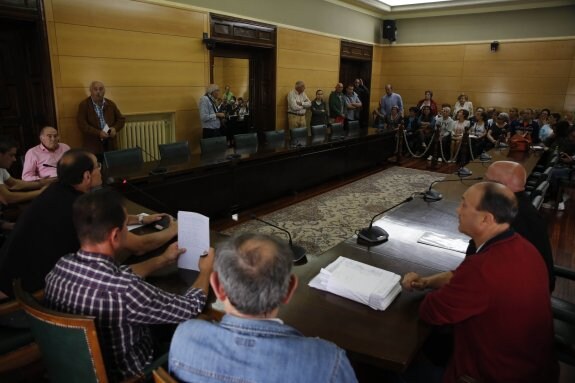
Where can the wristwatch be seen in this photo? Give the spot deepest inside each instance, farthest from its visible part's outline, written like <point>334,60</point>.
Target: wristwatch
<point>141,218</point>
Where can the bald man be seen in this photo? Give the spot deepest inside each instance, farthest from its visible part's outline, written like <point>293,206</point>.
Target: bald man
<point>497,300</point>
<point>528,222</point>
<point>99,119</point>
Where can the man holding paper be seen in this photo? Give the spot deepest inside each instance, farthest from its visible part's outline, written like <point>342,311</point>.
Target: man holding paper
<point>497,300</point>
<point>90,282</point>
<point>252,276</point>
<point>99,119</point>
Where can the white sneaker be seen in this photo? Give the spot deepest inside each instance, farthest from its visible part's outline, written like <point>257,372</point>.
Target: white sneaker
<point>439,159</point>
<point>429,158</point>
<point>561,206</point>
<point>548,205</point>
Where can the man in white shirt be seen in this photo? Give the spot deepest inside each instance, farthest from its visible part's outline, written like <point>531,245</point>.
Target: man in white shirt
<point>298,102</point>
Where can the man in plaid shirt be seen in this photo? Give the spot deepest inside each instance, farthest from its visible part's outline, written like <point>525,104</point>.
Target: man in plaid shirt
<point>90,282</point>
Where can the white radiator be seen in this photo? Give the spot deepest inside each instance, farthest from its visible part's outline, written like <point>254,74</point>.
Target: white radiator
<point>147,135</point>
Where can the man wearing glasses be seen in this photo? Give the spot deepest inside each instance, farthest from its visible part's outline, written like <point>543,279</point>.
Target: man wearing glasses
<point>45,231</point>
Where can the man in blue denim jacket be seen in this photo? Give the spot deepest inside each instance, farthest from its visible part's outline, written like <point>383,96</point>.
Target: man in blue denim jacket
<point>252,276</point>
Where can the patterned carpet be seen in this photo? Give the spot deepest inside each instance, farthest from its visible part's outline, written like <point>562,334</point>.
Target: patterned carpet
<point>322,222</point>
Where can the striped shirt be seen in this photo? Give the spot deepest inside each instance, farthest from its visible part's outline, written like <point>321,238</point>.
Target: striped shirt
<point>122,302</point>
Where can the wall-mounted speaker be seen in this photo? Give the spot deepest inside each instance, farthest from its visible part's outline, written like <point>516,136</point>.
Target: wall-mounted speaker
<point>389,30</point>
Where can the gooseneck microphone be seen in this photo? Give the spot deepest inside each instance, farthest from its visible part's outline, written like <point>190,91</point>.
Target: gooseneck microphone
<point>431,195</point>
<point>158,169</point>
<point>374,235</point>
<point>298,251</point>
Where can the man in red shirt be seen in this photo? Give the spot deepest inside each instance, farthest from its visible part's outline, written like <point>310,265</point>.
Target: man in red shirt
<point>497,300</point>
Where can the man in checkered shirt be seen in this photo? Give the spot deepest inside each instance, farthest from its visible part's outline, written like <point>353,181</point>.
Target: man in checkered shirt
<point>90,282</point>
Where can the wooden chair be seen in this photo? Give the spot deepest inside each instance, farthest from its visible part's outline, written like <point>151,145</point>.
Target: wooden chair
<point>162,376</point>
<point>68,343</point>
<point>17,346</point>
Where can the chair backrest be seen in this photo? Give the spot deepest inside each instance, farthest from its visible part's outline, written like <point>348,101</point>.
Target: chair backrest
<point>175,151</point>
<point>318,130</point>
<point>298,133</point>
<point>353,127</point>
<point>123,158</point>
<point>246,142</point>
<point>275,137</point>
<point>337,129</point>
<point>537,201</point>
<point>213,145</point>
<point>162,376</point>
<point>68,343</point>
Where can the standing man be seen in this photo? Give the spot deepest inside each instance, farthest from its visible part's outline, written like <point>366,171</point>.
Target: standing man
<point>100,120</point>
<point>40,161</point>
<point>363,94</point>
<point>209,114</point>
<point>337,104</point>
<point>13,190</point>
<point>90,282</point>
<point>352,104</point>
<point>297,105</point>
<point>390,99</point>
<point>252,277</point>
<point>483,297</point>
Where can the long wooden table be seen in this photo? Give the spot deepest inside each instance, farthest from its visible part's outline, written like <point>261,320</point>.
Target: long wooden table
<point>388,339</point>
<point>217,185</point>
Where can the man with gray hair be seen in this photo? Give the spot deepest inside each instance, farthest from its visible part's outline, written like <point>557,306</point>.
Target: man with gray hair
<point>252,276</point>
<point>209,115</point>
<point>298,102</point>
<point>99,119</point>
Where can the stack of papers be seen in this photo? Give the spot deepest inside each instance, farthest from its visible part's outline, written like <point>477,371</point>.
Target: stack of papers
<point>359,282</point>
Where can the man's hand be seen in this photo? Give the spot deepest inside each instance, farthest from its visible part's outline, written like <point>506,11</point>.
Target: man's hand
<point>412,281</point>
<point>112,133</point>
<point>103,135</point>
<point>220,115</point>
<point>206,262</point>
<point>152,218</point>
<point>172,253</point>
<point>566,158</point>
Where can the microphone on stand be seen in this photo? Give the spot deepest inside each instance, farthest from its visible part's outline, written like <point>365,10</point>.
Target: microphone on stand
<point>431,195</point>
<point>158,169</point>
<point>374,235</point>
<point>298,251</point>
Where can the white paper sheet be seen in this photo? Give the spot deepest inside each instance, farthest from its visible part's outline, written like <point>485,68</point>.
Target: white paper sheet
<point>194,236</point>
<point>359,282</point>
<point>445,242</point>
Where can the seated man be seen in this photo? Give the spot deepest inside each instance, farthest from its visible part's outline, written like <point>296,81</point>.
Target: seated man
<point>528,222</point>
<point>252,276</point>
<point>44,232</point>
<point>40,161</point>
<point>13,190</point>
<point>497,300</point>
<point>90,282</point>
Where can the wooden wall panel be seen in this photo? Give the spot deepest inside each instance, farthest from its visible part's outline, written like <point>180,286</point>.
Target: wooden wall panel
<point>518,69</point>
<point>308,57</point>
<point>77,71</point>
<point>521,51</point>
<point>432,68</point>
<point>130,16</point>
<point>77,40</point>
<point>150,57</point>
<point>423,54</point>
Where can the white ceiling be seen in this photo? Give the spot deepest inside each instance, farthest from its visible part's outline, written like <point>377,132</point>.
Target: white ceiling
<point>399,9</point>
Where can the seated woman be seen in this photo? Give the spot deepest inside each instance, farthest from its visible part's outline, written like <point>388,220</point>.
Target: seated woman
<point>497,132</point>
<point>461,124</point>
<point>393,120</point>
<point>428,101</point>
<point>463,103</point>
<point>426,124</point>
<point>478,132</point>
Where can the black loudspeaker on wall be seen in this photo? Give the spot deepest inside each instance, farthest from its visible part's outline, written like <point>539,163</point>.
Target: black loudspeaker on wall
<point>389,30</point>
